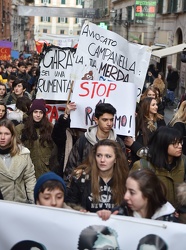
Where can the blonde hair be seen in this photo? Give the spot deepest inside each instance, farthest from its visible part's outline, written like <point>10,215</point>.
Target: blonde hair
<point>180,115</point>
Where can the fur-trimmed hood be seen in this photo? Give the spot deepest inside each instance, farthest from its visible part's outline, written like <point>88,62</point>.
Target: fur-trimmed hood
<point>181,194</point>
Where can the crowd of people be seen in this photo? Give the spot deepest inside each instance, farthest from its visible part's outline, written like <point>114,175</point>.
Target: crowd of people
<point>90,171</point>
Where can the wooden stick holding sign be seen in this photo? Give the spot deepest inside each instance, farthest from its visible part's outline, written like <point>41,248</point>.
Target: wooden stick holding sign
<point>69,94</point>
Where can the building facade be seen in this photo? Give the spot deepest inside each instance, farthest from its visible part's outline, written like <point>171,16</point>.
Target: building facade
<point>168,29</point>
<point>5,19</point>
<point>68,26</point>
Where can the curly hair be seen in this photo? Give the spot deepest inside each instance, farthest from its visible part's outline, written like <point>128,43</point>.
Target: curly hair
<point>180,115</point>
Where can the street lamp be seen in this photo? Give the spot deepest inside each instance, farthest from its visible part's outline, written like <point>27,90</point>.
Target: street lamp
<point>127,26</point>
<point>112,17</point>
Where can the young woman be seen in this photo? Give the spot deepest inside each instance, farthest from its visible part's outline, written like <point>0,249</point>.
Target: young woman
<point>149,92</point>
<point>154,92</point>
<point>2,92</point>
<point>35,134</point>
<point>164,157</point>
<point>147,121</point>
<point>179,122</point>
<point>160,83</point>
<point>145,196</point>
<point>17,175</point>
<point>100,182</point>
<point>3,110</point>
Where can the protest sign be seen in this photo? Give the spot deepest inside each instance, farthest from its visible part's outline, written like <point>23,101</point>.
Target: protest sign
<point>104,55</point>
<point>6,44</point>
<point>61,40</point>
<point>53,111</point>
<point>15,54</point>
<point>55,73</point>
<point>5,53</point>
<point>50,228</point>
<point>87,94</point>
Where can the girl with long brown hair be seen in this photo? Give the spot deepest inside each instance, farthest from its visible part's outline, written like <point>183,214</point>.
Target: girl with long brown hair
<point>35,134</point>
<point>147,121</point>
<point>99,183</point>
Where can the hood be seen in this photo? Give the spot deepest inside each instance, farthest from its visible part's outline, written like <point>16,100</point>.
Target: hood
<point>166,209</point>
<point>91,132</point>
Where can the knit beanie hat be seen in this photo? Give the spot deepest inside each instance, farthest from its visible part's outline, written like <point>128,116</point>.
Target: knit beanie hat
<point>38,104</point>
<point>49,176</point>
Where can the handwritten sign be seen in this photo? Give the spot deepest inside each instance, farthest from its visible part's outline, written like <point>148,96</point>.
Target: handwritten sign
<point>103,55</point>
<point>55,73</point>
<point>53,111</point>
<point>122,96</point>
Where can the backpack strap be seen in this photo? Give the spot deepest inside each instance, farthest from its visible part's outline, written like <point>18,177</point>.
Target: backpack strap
<point>146,164</point>
<point>82,141</point>
<point>184,164</point>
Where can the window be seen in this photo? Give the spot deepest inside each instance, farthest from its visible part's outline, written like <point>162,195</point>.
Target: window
<point>63,1</point>
<point>61,19</point>
<point>165,6</point>
<point>45,19</point>
<point>160,7</point>
<point>78,32</point>
<point>169,7</point>
<point>45,1</point>
<point>180,5</point>
<point>62,32</point>
<point>174,6</point>
<point>44,30</point>
<point>77,20</point>
<point>130,13</point>
<point>78,2</point>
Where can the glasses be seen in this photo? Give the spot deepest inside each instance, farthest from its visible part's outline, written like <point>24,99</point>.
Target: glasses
<point>177,143</point>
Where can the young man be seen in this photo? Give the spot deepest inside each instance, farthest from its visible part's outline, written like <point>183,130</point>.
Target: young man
<point>50,191</point>
<point>21,74</point>
<point>19,90</point>
<point>11,79</point>
<point>104,118</point>
<point>8,71</point>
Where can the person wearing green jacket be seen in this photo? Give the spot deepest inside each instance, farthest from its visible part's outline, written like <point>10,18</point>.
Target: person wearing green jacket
<point>35,134</point>
<point>164,156</point>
